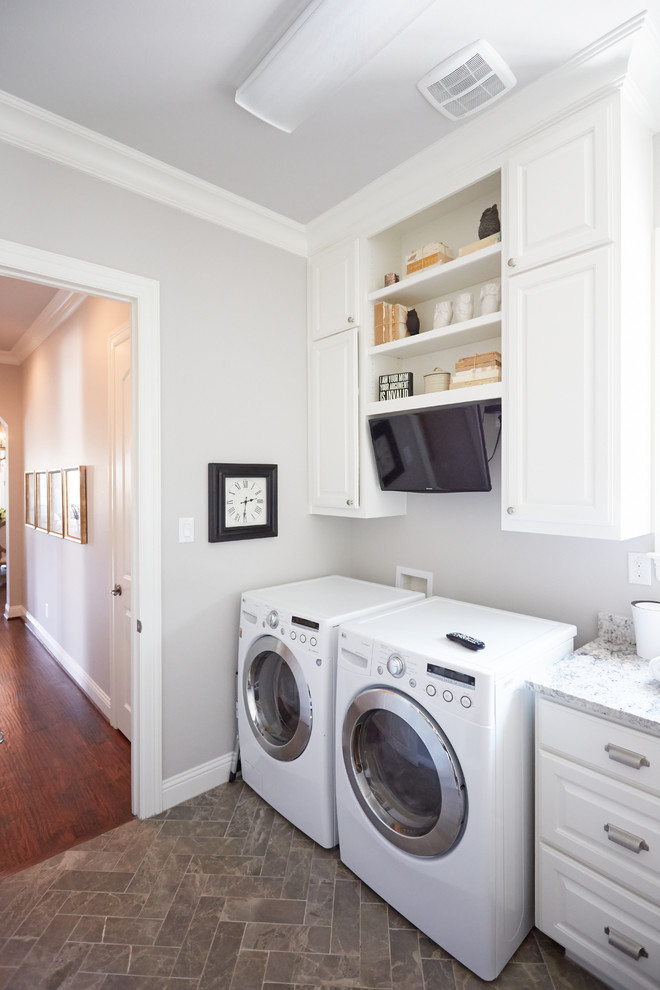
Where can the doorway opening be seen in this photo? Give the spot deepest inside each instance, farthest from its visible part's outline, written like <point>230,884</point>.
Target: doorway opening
<point>4,500</point>
<point>47,268</point>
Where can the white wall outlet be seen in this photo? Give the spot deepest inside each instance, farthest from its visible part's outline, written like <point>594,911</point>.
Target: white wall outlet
<point>639,568</point>
<point>186,530</point>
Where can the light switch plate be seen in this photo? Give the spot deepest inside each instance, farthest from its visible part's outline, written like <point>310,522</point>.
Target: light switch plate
<point>186,530</point>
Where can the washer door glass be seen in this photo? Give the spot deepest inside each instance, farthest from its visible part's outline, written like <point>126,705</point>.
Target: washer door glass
<point>404,772</point>
<point>277,698</point>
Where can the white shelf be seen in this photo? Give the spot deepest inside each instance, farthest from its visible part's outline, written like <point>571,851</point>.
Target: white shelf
<point>452,397</point>
<point>439,280</point>
<point>467,332</point>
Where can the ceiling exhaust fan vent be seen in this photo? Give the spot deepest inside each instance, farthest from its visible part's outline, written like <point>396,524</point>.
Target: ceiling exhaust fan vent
<point>468,81</point>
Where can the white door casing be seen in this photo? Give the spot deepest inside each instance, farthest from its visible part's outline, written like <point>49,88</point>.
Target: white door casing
<point>143,294</point>
<point>121,579</point>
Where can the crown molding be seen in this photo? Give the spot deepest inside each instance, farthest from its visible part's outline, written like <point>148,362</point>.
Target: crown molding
<point>34,129</point>
<point>63,305</point>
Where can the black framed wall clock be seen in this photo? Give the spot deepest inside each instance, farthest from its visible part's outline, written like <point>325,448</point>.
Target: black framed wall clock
<point>242,501</point>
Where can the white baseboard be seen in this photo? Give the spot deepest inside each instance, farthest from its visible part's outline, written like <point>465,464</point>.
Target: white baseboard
<point>98,697</point>
<point>190,783</point>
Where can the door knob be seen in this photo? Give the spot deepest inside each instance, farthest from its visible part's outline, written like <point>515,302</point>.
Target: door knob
<point>116,591</point>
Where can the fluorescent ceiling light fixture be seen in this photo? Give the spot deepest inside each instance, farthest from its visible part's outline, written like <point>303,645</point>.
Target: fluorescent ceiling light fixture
<point>325,46</point>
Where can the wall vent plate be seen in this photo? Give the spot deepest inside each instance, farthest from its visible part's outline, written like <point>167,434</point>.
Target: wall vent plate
<point>468,81</point>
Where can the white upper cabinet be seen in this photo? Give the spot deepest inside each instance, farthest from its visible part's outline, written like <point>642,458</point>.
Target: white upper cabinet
<point>333,422</point>
<point>334,302</point>
<point>558,423</point>
<point>342,475</point>
<point>576,327</point>
<point>558,192</point>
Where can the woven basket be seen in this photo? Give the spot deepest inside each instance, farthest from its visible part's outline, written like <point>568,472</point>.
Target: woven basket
<point>437,380</point>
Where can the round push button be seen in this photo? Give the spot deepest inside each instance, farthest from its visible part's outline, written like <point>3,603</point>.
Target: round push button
<point>466,702</point>
<point>430,690</point>
<point>447,695</point>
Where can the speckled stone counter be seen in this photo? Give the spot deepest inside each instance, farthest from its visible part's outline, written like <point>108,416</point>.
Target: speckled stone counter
<point>606,678</point>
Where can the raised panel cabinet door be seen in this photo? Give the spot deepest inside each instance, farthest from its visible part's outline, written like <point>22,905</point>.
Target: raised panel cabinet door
<point>333,290</point>
<point>559,400</point>
<point>333,435</point>
<point>559,192</point>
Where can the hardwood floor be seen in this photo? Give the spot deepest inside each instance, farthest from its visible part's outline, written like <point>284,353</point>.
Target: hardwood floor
<point>65,773</point>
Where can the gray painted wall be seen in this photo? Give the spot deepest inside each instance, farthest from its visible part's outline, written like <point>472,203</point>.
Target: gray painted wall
<point>233,380</point>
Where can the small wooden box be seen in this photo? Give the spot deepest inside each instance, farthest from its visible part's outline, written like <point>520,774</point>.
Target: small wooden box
<point>479,245</point>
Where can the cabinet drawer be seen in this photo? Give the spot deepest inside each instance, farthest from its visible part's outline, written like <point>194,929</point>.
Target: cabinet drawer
<point>603,823</point>
<point>621,752</point>
<point>599,922</point>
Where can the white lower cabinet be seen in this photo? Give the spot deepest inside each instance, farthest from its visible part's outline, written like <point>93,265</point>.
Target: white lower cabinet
<point>598,844</point>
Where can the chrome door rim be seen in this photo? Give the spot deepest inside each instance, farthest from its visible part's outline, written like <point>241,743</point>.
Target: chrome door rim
<point>452,819</point>
<point>292,749</point>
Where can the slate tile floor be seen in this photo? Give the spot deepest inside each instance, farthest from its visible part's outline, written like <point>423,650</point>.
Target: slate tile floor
<point>221,893</point>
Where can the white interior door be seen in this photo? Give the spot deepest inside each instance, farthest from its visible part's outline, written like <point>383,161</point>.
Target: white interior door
<point>120,529</point>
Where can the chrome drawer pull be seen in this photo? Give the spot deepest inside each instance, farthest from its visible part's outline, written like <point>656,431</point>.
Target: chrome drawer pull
<point>624,944</point>
<point>625,839</point>
<point>626,756</point>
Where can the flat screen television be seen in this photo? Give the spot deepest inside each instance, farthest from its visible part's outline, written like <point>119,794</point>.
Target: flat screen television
<point>432,450</point>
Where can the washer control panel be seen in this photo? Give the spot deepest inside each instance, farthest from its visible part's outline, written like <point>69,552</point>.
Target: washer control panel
<point>462,691</point>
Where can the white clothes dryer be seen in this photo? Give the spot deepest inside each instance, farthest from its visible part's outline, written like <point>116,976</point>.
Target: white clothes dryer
<point>434,769</point>
<point>286,691</point>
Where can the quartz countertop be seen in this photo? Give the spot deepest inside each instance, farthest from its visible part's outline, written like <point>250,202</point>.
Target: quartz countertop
<point>605,677</point>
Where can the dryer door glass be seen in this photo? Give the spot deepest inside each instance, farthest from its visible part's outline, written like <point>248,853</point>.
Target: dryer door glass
<point>277,699</point>
<point>404,773</point>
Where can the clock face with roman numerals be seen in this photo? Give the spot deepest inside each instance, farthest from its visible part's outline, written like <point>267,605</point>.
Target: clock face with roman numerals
<point>245,502</point>
<point>242,501</point>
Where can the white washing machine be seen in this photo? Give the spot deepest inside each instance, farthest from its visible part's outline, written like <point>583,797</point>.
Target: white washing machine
<point>286,691</point>
<point>434,766</point>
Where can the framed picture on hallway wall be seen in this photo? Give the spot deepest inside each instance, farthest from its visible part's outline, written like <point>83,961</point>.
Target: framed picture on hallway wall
<point>29,499</point>
<point>75,504</point>
<point>55,518</point>
<point>41,499</point>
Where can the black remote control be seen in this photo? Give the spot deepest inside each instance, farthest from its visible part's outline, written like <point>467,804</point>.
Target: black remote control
<point>469,642</point>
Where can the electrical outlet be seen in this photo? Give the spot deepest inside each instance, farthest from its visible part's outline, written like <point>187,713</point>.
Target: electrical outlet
<point>639,568</point>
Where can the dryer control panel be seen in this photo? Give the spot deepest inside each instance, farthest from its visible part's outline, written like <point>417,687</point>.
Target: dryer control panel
<point>305,635</point>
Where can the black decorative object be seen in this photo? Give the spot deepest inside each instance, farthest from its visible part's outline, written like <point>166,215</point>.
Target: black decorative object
<point>395,386</point>
<point>412,322</point>
<point>242,501</point>
<point>490,222</point>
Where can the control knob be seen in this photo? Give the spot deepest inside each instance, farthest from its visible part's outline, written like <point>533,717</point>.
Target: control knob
<point>273,619</point>
<point>396,666</point>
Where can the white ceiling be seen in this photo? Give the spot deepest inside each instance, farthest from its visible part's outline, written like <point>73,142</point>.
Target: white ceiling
<point>21,303</point>
<point>160,76</point>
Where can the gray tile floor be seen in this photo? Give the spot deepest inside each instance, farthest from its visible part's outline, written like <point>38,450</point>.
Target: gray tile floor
<point>221,893</point>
